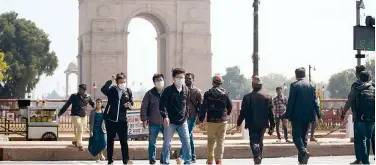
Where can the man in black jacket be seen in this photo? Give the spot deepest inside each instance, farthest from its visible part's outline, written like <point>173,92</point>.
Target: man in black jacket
<point>120,100</point>
<point>302,109</point>
<point>173,107</point>
<point>79,102</point>
<point>257,111</point>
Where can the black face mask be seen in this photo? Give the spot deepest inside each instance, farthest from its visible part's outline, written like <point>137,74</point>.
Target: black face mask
<point>81,92</point>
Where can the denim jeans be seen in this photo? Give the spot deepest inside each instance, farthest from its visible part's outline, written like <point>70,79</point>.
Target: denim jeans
<point>362,140</point>
<point>191,126</point>
<point>184,138</point>
<point>153,135</point>
<point>256,138</point>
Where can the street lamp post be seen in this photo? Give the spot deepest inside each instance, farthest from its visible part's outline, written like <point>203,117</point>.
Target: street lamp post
<point>255,56</point>
<point>309,72</point>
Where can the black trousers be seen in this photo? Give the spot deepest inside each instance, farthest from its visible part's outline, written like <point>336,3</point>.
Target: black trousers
<point>299,135</point>
<point>121,129</point>
<point>256,138</point>
<point>285,132</point>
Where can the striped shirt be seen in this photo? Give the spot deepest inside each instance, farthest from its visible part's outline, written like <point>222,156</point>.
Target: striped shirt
<point>280,103</point>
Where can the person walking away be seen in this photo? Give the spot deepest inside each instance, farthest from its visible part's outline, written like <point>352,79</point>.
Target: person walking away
<point>280,103</point>
<point>150,114</point>
<point>120,100</point>
<point>216,107</point>
<point>194,103</point>
<point>257,111</point>
<point>362,101</point>
<point>97,141</point>
<point>302,109</point>
<point>174,111</point>
<point>79,102</point>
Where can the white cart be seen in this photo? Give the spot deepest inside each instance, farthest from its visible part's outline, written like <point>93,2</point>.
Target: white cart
<point>42,123</point>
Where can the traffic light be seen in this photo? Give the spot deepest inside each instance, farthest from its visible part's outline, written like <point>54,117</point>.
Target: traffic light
<point>370,21</point>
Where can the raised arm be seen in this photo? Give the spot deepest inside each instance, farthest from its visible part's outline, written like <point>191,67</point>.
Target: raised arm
<point>91,102</point>
<point>106,87</point>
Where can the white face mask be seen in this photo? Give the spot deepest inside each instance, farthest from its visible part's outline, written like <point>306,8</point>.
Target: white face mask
<point>159,84</point>
<point>122,86</point>
<point>179,81</point>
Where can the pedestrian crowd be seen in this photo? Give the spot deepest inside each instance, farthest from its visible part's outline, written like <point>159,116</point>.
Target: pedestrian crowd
<point>179,107</point>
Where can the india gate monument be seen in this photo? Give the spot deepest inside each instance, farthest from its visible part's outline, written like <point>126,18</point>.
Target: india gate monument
<point>183,38</point>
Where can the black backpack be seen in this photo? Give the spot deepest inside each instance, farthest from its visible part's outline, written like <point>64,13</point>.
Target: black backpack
<point>365,104</point>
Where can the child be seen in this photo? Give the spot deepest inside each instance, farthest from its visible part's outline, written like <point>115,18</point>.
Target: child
<point>97,141</point>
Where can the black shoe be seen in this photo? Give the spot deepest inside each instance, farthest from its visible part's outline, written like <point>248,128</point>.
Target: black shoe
<point>257,160</point>
<point>356,162</point>
<point>110,162</point>
<point>193,161</point>
<point>152,162</point>
<point>305,157</point>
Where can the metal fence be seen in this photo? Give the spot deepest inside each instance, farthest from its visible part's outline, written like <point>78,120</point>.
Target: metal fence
<point>331,116</point>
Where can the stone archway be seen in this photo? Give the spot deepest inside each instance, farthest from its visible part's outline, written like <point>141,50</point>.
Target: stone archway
<point>183,37</point>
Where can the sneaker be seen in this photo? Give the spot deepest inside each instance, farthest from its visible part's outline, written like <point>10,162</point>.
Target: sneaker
<point>98,161</point>
<point>209,162</point>
<point>80,148</point>
<point>218,162</point>
<point>257,160</point>
<point>356,162</point>
<point>193,161</point>
<point>305,158</point>
<point>74,143</point>
<point>178,161</point>
<point>103,158</point>
<point>127,162</point>
<point>288,141</point>
<point>152,162</point>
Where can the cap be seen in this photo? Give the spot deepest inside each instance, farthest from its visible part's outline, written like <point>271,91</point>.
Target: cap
<point>217,79</point>
<point>82,86</point>
<point>256,80</point>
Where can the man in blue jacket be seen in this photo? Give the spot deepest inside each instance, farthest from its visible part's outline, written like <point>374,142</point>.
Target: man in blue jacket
<point>302,109</point>
<point>120,100</point>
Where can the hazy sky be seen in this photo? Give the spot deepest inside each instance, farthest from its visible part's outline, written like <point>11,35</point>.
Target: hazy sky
<point>293,33</point>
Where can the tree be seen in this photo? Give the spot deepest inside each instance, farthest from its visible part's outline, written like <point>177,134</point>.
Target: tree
<point>235,83</point>
<point>27,52</point>
<point>272,81</point>
<point>3,66</point>
<point>370,65</point>
<point>340,83</point>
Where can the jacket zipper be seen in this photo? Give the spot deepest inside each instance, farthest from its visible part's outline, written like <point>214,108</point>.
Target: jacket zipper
<point>117,117</point>
<point>108,110</point>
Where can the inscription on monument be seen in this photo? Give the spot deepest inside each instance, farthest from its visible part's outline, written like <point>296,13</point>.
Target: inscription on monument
<point>104,42</point>
<point>104,26</point>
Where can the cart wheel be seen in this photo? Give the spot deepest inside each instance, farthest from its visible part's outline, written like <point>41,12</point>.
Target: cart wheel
<point>49,136</point>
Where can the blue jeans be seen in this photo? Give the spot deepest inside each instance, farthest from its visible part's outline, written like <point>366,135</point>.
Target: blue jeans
<point>191,126</point>
<point>362,140</point>
<point>184,138</point>
<point>153,136</point>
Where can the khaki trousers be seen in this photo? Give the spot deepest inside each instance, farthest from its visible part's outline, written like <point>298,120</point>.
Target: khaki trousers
<point>79,124</point>
<point>216,135</point>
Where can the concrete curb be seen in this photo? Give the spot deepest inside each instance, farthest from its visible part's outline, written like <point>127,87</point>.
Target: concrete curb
<point>64,152</point>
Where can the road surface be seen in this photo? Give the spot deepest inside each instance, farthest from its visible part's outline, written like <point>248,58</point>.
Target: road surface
<point>290,160</point>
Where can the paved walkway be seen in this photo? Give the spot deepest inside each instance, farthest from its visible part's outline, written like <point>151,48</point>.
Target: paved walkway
<point>287,160</point>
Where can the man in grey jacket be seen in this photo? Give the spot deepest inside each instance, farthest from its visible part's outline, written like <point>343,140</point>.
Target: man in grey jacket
<point>150,114</point>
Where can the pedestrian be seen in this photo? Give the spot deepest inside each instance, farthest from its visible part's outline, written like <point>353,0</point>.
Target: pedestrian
<point>280,103</point>
<point>362,102</point>
<point>257,111</point>
<point>302,109</point>
<point>97,141</point>
<point>120,100</point>
<point>194,103</point>
<point>174,110</point>
<point>216,107</point>
<point>79,102</point>
<point>150,114</point>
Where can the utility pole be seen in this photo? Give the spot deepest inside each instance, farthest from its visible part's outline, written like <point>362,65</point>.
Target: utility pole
<point>359,5</point>
<point>255,56</point>
<point>309,72</point>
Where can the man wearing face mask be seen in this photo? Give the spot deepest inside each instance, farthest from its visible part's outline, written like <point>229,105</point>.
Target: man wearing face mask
<point>120,100</point>
<point>194,103</point>
<point>173,109</point>
<point>150,114</point>
<point>79,101</point>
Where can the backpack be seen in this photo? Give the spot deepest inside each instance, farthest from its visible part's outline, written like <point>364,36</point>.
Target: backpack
<point>365,104</point>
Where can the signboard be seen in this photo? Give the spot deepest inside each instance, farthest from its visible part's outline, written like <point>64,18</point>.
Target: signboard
<point>135,126</point>
<point>10,116</point>
<point>364,38</point>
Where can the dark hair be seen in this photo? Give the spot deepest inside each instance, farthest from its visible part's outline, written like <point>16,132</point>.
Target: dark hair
<point>82,86</point>
<point>98,99</point>
<point>120,76</point>
<point>364,76</point>
<point>190,74</point>
<point>278,88</point>
<point>177,71</point>
<point>359,69</point>
<point>300,72</point>
<point>158,75</point>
